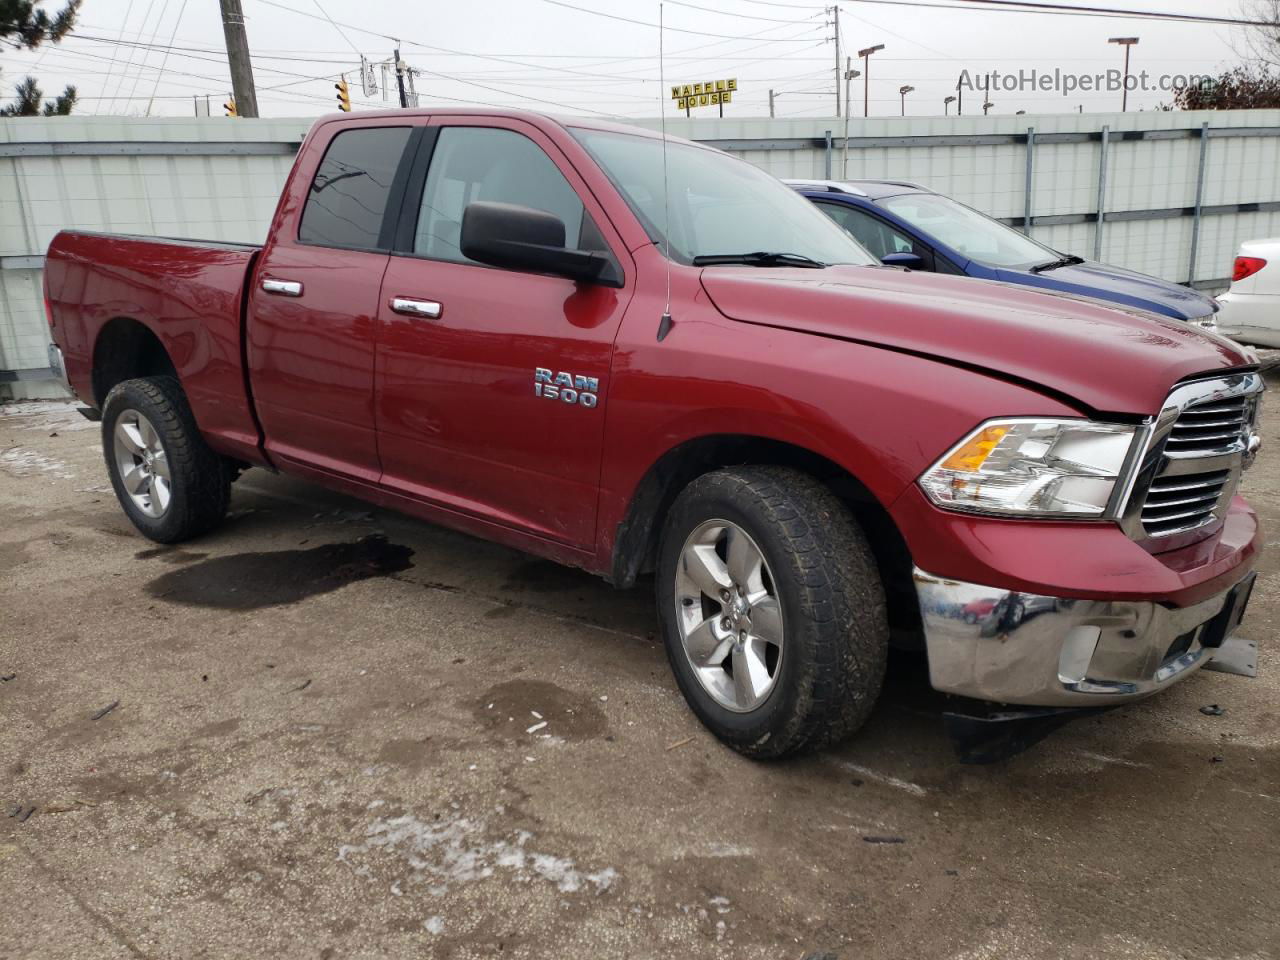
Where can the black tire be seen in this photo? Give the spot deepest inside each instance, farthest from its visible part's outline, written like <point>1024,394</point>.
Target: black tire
<point>200,480</point>
<point>834,615</point>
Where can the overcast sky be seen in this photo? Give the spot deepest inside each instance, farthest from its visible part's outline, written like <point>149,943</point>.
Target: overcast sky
<point>542,54</point>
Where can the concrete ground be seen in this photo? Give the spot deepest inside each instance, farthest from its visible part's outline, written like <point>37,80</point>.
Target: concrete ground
<point>340,733</point>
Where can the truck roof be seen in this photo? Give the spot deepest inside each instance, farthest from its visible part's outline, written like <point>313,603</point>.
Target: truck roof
<point>530,116</point>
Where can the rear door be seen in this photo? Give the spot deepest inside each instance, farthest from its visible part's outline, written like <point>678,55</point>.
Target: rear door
<point>312,321</point>
<point>492,384</point>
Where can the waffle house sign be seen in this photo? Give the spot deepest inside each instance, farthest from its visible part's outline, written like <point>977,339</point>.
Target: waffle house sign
<point>711,93</point>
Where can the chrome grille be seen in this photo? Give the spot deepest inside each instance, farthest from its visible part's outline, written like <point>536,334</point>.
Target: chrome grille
<point>1176,503</point>
<point>1206,428</point>
<point>1190,466</point>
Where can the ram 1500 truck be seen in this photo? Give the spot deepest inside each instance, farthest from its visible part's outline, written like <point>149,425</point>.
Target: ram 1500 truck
<point>640,356</point>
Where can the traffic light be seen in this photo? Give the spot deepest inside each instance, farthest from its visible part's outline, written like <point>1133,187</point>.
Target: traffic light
<point>344,95</point>
<point>230,107</point>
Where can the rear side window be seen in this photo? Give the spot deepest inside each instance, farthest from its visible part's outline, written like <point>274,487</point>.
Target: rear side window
<point>348,197</point>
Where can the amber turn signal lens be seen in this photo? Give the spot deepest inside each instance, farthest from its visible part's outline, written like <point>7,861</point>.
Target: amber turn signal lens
<point>974,453</point>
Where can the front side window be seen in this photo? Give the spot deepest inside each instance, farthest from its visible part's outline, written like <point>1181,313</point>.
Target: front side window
<point>348,196</point>
<point>872,232</point>
<point>969,232</point>
<point>472,164</point>
<point>711,204</point>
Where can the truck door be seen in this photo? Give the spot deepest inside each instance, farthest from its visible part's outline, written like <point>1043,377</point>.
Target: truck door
<point>492,384</point>
<point>312,317</point>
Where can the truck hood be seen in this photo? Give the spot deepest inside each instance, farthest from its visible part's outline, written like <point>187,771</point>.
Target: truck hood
<point>1105,282</point>
<point>1104,358</point>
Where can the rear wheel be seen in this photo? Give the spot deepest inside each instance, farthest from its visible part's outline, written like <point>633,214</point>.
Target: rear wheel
<point>772,610</point>
<point>170,483</point>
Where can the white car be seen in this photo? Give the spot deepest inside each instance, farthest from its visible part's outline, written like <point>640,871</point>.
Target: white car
<point>1251,308</point>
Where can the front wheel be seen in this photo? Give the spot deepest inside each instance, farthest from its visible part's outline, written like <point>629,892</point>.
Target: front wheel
<point>772,610</point>
<point>170,484</point>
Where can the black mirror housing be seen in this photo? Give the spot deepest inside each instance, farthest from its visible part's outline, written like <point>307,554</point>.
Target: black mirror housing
<point>520,238</point>
<point>912,261</point>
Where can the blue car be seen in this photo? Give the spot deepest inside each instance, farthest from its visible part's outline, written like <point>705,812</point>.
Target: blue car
<point>907,225</point>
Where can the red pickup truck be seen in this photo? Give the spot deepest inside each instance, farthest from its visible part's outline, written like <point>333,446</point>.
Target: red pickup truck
<point>641,356</point>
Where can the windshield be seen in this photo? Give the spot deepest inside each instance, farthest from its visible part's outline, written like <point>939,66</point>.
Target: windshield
<point>719,205</point>
<point>969,232</point>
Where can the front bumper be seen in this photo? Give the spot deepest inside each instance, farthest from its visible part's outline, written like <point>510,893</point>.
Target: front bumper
<point>1000,645</point>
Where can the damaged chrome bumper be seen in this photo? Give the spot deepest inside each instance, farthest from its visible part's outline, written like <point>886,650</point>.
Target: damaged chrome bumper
<point>1008,647</point>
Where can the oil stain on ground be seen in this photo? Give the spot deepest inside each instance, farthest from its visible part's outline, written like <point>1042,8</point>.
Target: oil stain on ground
<point>248,581</point>
<point>509,710</point>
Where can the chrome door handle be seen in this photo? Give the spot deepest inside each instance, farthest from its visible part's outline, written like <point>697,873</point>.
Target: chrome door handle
<point>417,308</point>
<point>286,288</point>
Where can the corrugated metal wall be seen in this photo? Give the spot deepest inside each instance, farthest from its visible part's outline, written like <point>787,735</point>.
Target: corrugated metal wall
<point>218,191</point>
<point>218,179</point>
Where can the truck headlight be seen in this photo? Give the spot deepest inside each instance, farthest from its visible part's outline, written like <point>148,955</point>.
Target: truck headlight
<point>1030,467</point>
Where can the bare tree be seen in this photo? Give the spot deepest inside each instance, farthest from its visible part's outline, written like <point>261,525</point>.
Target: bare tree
<point>1260,45</point>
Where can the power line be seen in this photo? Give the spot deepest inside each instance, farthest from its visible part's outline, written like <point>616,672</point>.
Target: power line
<point>646,23</point>
<point>1050,9</point>
<point>128,64</point>
<point>1109,11</point>
<point>727,13</point>
<point>165,61</point>
<point>336,27</point>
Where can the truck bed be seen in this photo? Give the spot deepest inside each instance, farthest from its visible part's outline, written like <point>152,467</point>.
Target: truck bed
<point>187,294</point>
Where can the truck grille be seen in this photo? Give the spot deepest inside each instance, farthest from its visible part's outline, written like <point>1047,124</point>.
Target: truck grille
<point>1204,429</point>
<point>1177,503</point>
<point>1200,443</point>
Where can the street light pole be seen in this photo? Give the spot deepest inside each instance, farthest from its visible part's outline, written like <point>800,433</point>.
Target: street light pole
<point>849,75</point>
<point>902,92</point>
<point>1125,42</point>
<point>987,106</point>
<point>866,77</point>
<point>946,106</point>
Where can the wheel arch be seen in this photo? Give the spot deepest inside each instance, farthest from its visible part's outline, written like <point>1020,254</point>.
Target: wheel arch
<point>126,348</point>
<point>635,545</point>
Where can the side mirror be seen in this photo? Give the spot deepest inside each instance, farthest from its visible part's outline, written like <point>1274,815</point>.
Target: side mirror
<point>521,238</point>
<point>912,261</point>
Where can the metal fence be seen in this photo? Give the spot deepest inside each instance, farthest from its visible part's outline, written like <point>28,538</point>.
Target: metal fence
<point>1169,194</point>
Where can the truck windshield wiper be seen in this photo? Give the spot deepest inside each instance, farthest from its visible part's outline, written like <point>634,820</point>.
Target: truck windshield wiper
<point>760,258</point>
<point>1066,261</point>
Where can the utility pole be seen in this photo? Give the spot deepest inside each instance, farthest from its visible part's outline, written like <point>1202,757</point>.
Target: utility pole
<point>770,104</point>
<point>836,11</point>
<point>404,100</point>
<point>246,98</point>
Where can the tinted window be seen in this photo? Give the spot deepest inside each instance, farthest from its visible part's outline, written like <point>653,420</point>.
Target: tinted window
<point>485,163</point>
<point>348,196</point>
<point>872,232</point>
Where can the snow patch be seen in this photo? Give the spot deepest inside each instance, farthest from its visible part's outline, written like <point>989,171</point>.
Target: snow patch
<point>456,850</point>
<point>26,463</point>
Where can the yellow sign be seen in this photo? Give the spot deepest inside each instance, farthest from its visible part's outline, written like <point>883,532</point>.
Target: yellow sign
<point>709,93</point>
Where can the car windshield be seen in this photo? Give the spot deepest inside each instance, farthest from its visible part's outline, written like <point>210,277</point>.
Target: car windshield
<point>719,205</point>
<point>969,232</point>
